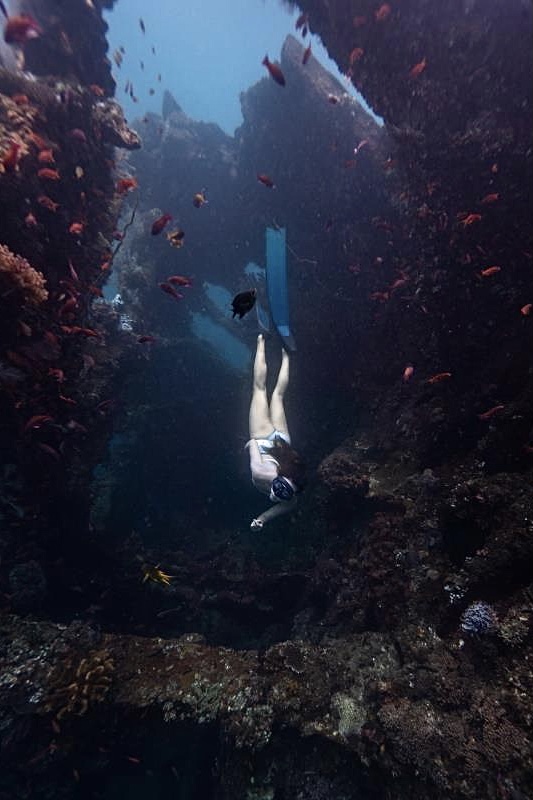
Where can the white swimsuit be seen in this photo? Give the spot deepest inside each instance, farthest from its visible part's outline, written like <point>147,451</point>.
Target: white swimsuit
<point>263,465</point>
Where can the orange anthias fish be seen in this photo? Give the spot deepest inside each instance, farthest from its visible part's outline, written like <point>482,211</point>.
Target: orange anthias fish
<point>491,412</point>
<point>383,12</point>
<point>266,180</point>
<point>306,55</point>
<point>48,174</point>
<point>274,70</point>
<point>439,377</point>
<point>415,71</point>
<point>160,223</point>
<point>46,157</point>
<point>76,228</point>
<point>37,140</point>
<point>126,185</point>
<point>47,203</point>
<point>486,273</point>
<point>470,219</point>
<point>168,289</point>
<point>76,329</point>
<point>355,55</point>
<point>20,29</point>
<point>180,280</point>
<point>408,373</point>
<point>490,198</point>
<point>11,158</point>
<point>526,310</point>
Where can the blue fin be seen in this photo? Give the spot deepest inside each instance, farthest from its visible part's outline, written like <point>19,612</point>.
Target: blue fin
<point>277,286</point>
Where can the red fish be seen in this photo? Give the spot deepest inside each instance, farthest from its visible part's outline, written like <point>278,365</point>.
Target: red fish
<point>490,198</point>
<point>491,412</point>
<point>180,280</point>
<point>306,55</point>
<point>46,157</point>
<point>415,71</point>
<point>486,273</point>
<point>381,297</point>
<point>169,289</point>
<point>75,329</point>
<point>76,228</point>
<point>274,70</point>
<point>78,134</point>
<point>355,55</point>
<point>57,373</point>
<point>68,307</point>
<point>408,373</point>
<point>470,219</point>
<point>20,29</point>
<point>126,185</point>
<point>11,158</point>
<point>146,339</point>
<point>383,12</point>
<point>49,174</point>
<point>526,310</point>
<point>20,99</point>
<point>439,377</point>
<point>47,203</point>
<point>160,223</point>
<point>37,140</point>
<point>266,181</point>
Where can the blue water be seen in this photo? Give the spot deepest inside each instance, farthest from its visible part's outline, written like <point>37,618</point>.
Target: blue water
<point>206,52</point>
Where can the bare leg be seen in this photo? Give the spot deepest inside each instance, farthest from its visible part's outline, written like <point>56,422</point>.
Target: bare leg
<point>260,423</point>
<point>277,412</point>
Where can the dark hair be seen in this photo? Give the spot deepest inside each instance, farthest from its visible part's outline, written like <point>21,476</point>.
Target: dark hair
<point>290,464</point>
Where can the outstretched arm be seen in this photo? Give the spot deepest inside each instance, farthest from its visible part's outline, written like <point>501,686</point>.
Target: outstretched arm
<point>275,511</point>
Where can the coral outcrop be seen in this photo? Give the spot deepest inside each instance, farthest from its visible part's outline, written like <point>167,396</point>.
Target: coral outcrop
<point>17,275</point>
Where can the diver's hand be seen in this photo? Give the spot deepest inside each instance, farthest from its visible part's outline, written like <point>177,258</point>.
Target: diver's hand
<point>256,525</point>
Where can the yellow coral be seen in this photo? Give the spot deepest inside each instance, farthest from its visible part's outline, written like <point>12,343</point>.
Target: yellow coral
<point>22,276</point>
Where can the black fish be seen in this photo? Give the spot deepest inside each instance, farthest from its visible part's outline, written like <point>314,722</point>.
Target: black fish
<point>243,302</point>
<point>141,25</point>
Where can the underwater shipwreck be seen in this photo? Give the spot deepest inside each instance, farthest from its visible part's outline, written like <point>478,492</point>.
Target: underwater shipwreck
<point>378,642</point>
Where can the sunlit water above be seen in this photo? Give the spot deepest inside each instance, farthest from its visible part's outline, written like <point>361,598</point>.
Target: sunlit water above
<point>204,52</point>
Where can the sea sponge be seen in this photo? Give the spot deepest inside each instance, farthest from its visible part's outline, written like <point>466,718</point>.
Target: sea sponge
<point>479,619</point>
<point>18,273</point>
